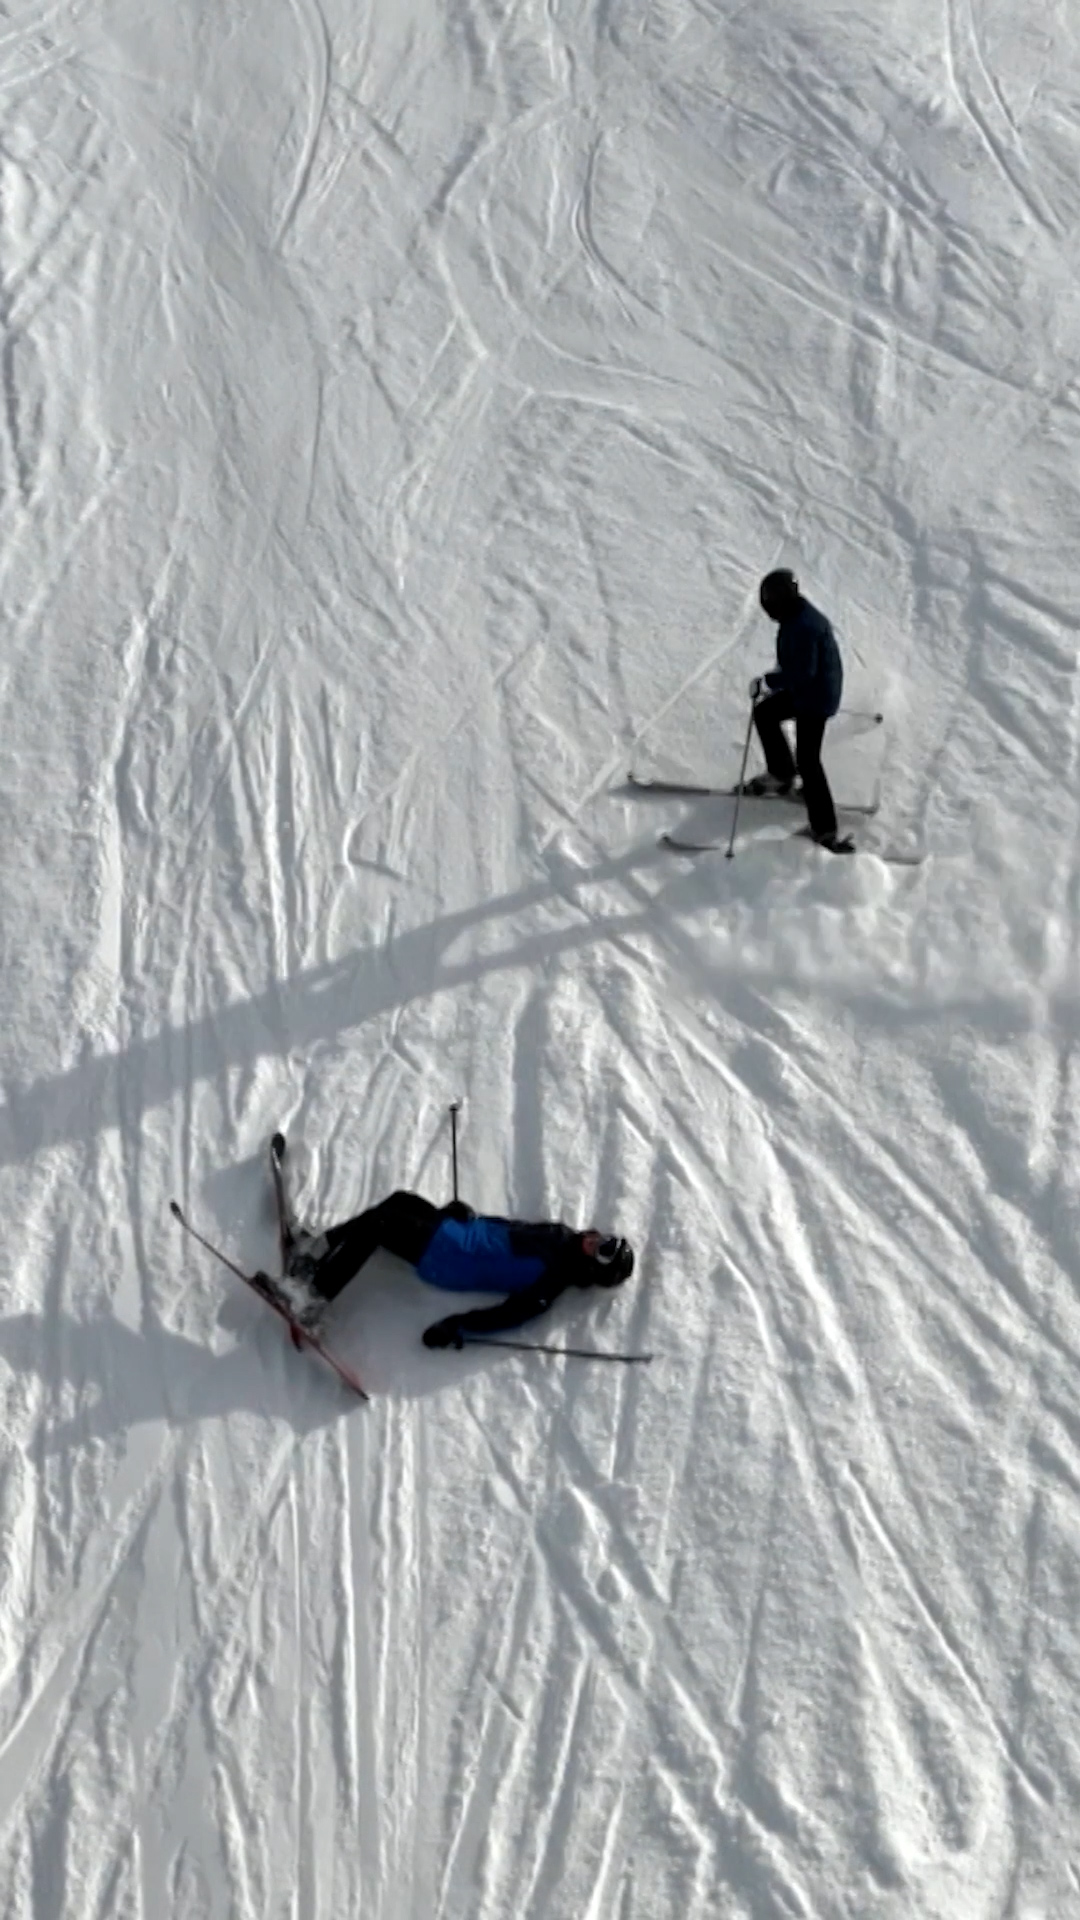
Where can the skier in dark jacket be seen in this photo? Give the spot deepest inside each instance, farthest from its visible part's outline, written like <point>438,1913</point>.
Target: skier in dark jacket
<point>805,686</point>
<point>462,1251</point>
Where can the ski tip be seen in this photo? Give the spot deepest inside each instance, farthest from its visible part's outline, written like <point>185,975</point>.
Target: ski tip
<point>685,846</point>
<point>174,1209</point>
<point>277,1146</point>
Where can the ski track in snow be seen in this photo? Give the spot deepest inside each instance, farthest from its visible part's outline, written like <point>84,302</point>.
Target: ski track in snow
<point>397,409</point>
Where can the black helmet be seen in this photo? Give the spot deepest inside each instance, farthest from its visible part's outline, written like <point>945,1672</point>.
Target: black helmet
<point>778,593</point>
<point>615,1259</point>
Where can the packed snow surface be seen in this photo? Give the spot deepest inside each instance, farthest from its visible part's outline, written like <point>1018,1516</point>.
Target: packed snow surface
<point>400,402</point>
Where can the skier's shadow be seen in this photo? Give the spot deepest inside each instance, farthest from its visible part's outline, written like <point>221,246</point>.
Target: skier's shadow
<point>121,1379</point>
<point>102,1088</point>
<point>106,1089</point>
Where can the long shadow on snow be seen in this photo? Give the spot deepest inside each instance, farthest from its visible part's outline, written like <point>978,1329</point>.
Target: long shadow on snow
<point>166,1376</point>
<point>105,1089</point>
<point>161,1378</point>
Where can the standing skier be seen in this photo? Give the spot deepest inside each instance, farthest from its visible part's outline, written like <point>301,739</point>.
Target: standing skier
<point>805,686</point>
<point>452,1247</point>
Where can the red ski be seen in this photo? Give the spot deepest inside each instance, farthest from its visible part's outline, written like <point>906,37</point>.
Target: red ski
<point>300,1338</point>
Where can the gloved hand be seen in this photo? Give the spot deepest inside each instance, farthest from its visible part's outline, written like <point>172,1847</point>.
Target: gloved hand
<point>445,1333</point>
<point>756,686</point>
<point>459,1210</point>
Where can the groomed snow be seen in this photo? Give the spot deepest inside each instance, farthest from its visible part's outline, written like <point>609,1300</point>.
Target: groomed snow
<point>399,404</point>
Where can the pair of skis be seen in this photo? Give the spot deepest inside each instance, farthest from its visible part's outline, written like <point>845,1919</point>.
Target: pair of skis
<point>793,797</point>
<point>892,856</point>
<point>299,1335</point>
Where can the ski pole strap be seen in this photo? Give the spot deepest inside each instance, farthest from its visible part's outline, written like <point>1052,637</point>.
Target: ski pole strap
<point>562,1353</point>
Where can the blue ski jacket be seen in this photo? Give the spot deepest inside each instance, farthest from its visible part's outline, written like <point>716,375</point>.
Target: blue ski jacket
<point>808,665</point>
<point>532,1264</point>
<point>489,1255</point>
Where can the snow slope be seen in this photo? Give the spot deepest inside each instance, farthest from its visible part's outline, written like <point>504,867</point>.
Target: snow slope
<point>399,404</point>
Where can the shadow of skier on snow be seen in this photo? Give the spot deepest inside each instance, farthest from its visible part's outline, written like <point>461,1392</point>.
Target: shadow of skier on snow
<point>117,1380</point>
<point>107,1089</point>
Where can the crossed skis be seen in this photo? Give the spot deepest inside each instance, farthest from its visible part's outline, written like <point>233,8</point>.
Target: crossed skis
<point>261,1284</point>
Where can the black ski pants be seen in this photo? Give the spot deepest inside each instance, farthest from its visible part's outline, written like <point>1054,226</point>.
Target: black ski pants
<point>404,1224</point>
<point>769,716</point>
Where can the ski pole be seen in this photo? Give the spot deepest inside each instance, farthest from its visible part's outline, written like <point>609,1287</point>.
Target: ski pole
<point>174,1209</point>
<point>564,1353</point>
<point>455,1107</point>
<point>742,778</point>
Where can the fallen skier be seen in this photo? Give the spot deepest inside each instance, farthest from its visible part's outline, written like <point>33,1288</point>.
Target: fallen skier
<point>529,1263</point>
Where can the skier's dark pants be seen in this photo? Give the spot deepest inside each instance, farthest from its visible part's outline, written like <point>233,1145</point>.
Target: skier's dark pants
<point>403,1224</point>
<point>769,714</point>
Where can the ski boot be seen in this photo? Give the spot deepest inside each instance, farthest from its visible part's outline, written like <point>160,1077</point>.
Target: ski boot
<point>295,1298</point>
<point>766,786</point>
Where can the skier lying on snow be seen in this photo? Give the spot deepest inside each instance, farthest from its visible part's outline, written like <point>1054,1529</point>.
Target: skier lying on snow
<point>462,1251</point>
<point>805,686</point>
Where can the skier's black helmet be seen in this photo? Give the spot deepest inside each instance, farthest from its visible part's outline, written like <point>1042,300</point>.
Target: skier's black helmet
<point>778,593</point>
<point>614,1260</point>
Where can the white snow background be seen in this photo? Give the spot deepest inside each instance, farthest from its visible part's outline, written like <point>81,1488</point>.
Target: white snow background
<point>399,403</point>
